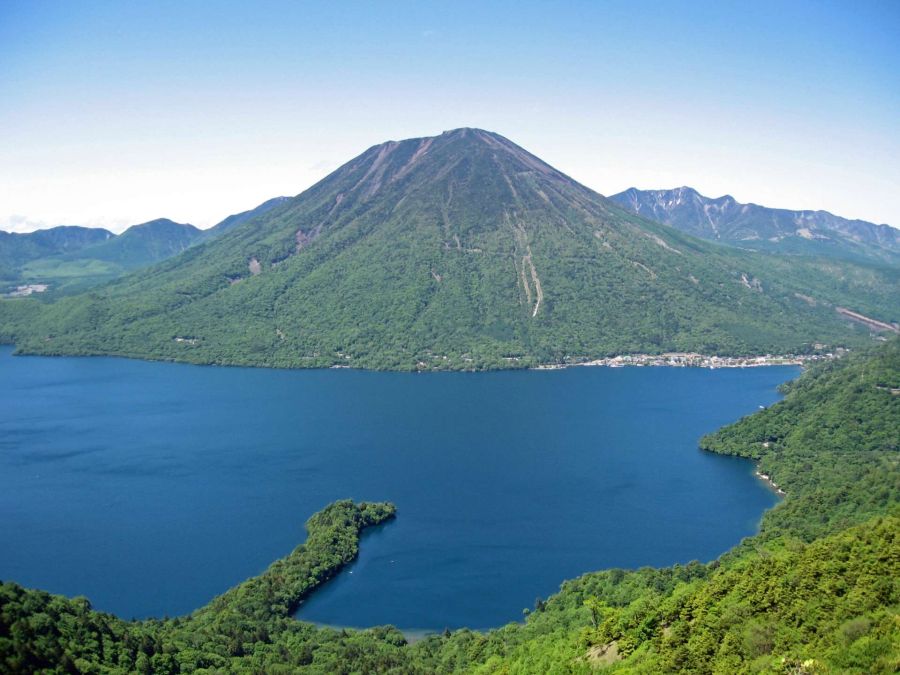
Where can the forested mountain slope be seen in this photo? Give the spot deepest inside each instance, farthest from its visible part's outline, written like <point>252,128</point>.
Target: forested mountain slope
<point>236,219</point>
<point>16,250</point>
<point>816,592</point>
<point>71,258</point>
<point>144,244</point>
<point>105,256</point>
<point>458,251</point>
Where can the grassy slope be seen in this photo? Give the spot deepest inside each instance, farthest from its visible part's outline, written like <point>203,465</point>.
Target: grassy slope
<point>416,254</point>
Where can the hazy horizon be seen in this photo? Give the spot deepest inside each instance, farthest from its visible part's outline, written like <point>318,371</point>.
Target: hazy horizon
<point>113,115</point>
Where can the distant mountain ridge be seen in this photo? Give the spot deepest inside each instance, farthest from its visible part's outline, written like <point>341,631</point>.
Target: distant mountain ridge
<point>143,244</point>
<point>17,249</point>
<point>457,251</point>
<point>727,220</point>
<point>75,257</point>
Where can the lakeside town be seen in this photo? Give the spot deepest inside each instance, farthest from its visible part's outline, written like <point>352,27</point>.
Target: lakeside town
<point>694,360</point>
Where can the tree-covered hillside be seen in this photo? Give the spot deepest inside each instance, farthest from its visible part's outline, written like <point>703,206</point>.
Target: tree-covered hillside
<point>833,444</point>
<point>18,250</point>
<point>141,245</point>
<point>70,259</point>
<point>458,251</point>
<point>816,591</point>
<point>83,257</point>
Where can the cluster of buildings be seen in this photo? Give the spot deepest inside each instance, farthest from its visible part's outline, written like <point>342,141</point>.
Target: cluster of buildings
<point>28,289</point>
<point>692,360</point>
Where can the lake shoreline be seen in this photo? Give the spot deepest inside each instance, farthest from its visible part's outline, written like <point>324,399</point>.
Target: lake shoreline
<point>695,360</point>
<point>285,445</point>
<point>411,635</point>
<point>667,359</point>
<point>771,484</point>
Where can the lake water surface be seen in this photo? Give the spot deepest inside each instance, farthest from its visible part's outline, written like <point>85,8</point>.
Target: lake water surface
<point>152,487</point>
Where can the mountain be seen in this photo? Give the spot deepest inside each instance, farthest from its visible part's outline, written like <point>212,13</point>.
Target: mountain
<point>18,249</point>
<point>759,227</point>
<point>68,259</point>
<point>239,218</point>
<point>105,257</point>
<point>457,251</point>
<point>143,244</point>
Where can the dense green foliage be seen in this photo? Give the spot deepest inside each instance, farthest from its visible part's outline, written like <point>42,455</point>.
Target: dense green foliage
<point>816,591</point>
<point>833,444</point>
<point>760,228</point>
<point>460,251</point>
<point>142,245</point>
<point>830,606</point>
<point>251,621</point>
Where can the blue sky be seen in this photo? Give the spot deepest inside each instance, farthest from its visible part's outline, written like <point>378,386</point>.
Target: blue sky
<point>113,113</point>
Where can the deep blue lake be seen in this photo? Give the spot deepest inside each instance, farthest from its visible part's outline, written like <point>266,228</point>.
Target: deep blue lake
<point>152,487</point>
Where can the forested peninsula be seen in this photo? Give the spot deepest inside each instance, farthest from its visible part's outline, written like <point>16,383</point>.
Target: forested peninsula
<point>817,590</point>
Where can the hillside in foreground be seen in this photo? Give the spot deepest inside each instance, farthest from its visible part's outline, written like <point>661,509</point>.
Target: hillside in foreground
<point>457,251</point>
<point>816,591</point>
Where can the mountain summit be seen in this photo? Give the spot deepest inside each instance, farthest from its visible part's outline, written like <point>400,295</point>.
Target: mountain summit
<point>456,251</point>
<point>145,243</point>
